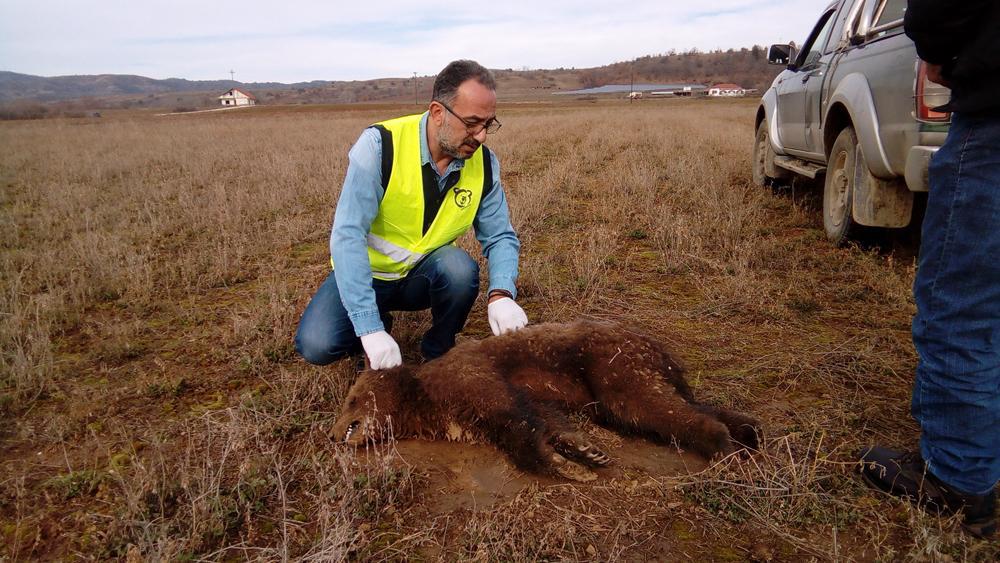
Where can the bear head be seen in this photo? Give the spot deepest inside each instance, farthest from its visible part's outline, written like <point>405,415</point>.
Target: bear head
<point>377,401</point>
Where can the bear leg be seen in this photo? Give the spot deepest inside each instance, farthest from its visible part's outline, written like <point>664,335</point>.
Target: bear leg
<point>524,435</point>
<point>672,418</point>
<point>568,440</point>
<point>745,430</point>
<point>521,435</point>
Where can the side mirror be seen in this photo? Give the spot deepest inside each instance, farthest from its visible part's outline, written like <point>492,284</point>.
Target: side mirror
<point>781,54</point>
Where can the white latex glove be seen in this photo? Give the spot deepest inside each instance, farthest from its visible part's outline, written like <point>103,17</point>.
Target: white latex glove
<point>506,316</point>
<point>382,350</point>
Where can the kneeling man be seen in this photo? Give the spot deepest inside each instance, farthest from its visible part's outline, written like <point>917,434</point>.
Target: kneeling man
<point>415,184</point>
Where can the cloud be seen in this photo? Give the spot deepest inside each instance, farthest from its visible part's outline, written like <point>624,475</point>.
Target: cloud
<point>314,40</point>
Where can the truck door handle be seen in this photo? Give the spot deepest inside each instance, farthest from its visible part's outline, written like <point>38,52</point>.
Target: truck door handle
<point>811,74</point>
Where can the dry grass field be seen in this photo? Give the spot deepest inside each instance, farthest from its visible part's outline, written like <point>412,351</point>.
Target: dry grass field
<point>153,270</point>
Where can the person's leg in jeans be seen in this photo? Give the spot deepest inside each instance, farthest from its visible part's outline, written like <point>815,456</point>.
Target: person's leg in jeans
<point>325,332</point>
<point>956,393</point>
<point>447,282</point>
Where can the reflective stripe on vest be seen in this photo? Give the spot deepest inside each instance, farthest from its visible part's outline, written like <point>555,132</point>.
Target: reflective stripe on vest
<point>397,253</point>
<point>400,234</point>
<point>388,276</point>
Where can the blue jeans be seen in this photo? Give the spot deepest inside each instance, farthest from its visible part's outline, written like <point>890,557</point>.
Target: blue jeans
<point>956,392</point>
<point>446,282</point>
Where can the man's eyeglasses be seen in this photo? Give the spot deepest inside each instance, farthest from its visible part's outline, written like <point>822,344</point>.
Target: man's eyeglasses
<point>474,126</point>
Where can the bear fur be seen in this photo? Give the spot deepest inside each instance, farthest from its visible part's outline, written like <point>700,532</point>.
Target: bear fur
<point>516,391</point>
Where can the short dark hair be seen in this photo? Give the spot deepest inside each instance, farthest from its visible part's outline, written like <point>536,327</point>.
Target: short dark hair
<point>448,80</point>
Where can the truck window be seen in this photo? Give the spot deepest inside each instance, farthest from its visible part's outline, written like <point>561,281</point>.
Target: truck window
<point>816,43</point>
<point>889,11</point>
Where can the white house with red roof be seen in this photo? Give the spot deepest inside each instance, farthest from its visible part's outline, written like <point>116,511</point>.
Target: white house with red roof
<point>727,89</point>
<point>237,97</point>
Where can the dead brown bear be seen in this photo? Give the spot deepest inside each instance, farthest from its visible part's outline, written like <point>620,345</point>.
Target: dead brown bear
<point>515,391</point>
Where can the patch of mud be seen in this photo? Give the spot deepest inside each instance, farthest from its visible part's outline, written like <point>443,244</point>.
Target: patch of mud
<point>477,476</point>
<point>655,460</point>
<point>459,475</point>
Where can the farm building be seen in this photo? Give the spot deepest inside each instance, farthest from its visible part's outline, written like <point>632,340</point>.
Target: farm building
<point>727,90</point>
<point>237,97</point>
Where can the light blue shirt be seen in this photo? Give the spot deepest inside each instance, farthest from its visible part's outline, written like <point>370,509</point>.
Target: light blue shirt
<point>359,205</point>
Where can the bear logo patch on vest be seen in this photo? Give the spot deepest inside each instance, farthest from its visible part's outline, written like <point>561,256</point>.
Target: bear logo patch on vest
<point>462,198</point>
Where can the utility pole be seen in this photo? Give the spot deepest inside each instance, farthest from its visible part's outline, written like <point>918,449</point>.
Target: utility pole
<point>415,102</point>
<point>631,84</point>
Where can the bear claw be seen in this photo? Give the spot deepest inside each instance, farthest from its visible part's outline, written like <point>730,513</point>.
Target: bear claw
<point>578,447</point>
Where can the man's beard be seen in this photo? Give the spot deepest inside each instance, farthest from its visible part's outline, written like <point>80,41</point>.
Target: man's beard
<point>452,149</point>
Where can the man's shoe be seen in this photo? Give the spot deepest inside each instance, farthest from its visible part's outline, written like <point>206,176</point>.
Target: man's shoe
<point>359,363</point>
<point>905,474</point>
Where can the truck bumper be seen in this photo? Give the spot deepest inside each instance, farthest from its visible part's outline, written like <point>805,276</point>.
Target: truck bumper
<point>916,167</point>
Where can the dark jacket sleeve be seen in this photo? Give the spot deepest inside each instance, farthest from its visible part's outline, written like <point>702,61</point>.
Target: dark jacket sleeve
<point>942,29</point>
<point>964,38</point>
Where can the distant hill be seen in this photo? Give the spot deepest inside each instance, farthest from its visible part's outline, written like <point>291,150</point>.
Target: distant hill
<point>15,86</point>
<point>747,67</point>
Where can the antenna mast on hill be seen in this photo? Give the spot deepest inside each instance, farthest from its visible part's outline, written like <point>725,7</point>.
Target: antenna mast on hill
<point>631,85</point>
<point>232,75</point>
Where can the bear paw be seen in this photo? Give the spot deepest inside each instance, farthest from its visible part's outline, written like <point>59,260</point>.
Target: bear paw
<point>572,470</point>
<point>578,446</point>
<point>746,436</point>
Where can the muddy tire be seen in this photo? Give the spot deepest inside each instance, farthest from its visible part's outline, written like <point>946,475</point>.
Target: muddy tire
<point>765,173</point>
<point>838,189</point>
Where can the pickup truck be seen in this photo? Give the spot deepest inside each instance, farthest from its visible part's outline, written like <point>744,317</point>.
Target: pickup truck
<point>854,107</point>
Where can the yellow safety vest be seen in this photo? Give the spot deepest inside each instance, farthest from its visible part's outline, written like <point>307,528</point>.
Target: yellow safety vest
<point>415,217</point>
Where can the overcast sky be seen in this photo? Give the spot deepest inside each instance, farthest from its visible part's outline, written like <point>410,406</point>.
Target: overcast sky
<point>300,40</point>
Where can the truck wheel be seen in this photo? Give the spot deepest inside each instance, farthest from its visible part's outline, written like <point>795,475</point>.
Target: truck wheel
<point>765,173</point>
<point>838,188</point>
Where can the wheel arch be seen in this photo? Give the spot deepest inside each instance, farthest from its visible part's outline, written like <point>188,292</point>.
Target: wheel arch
<point>874,201</point>
<point>837,119</point>
<point>767,110</point>
<point>852,100</point>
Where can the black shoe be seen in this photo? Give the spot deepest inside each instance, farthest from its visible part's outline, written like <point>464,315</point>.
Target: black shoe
<point>905,475</point>
<point>359,363</point>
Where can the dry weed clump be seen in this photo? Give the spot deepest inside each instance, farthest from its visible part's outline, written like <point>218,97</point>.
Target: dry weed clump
<point>528,529</point>
<point>138,212</point>
<point>613,178</point>
<point>259,480</point>
<point>610,521</point>
<point>261,330</point>
<point>27,361</point>
<point>800,489</point>
<point>793,483</point>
